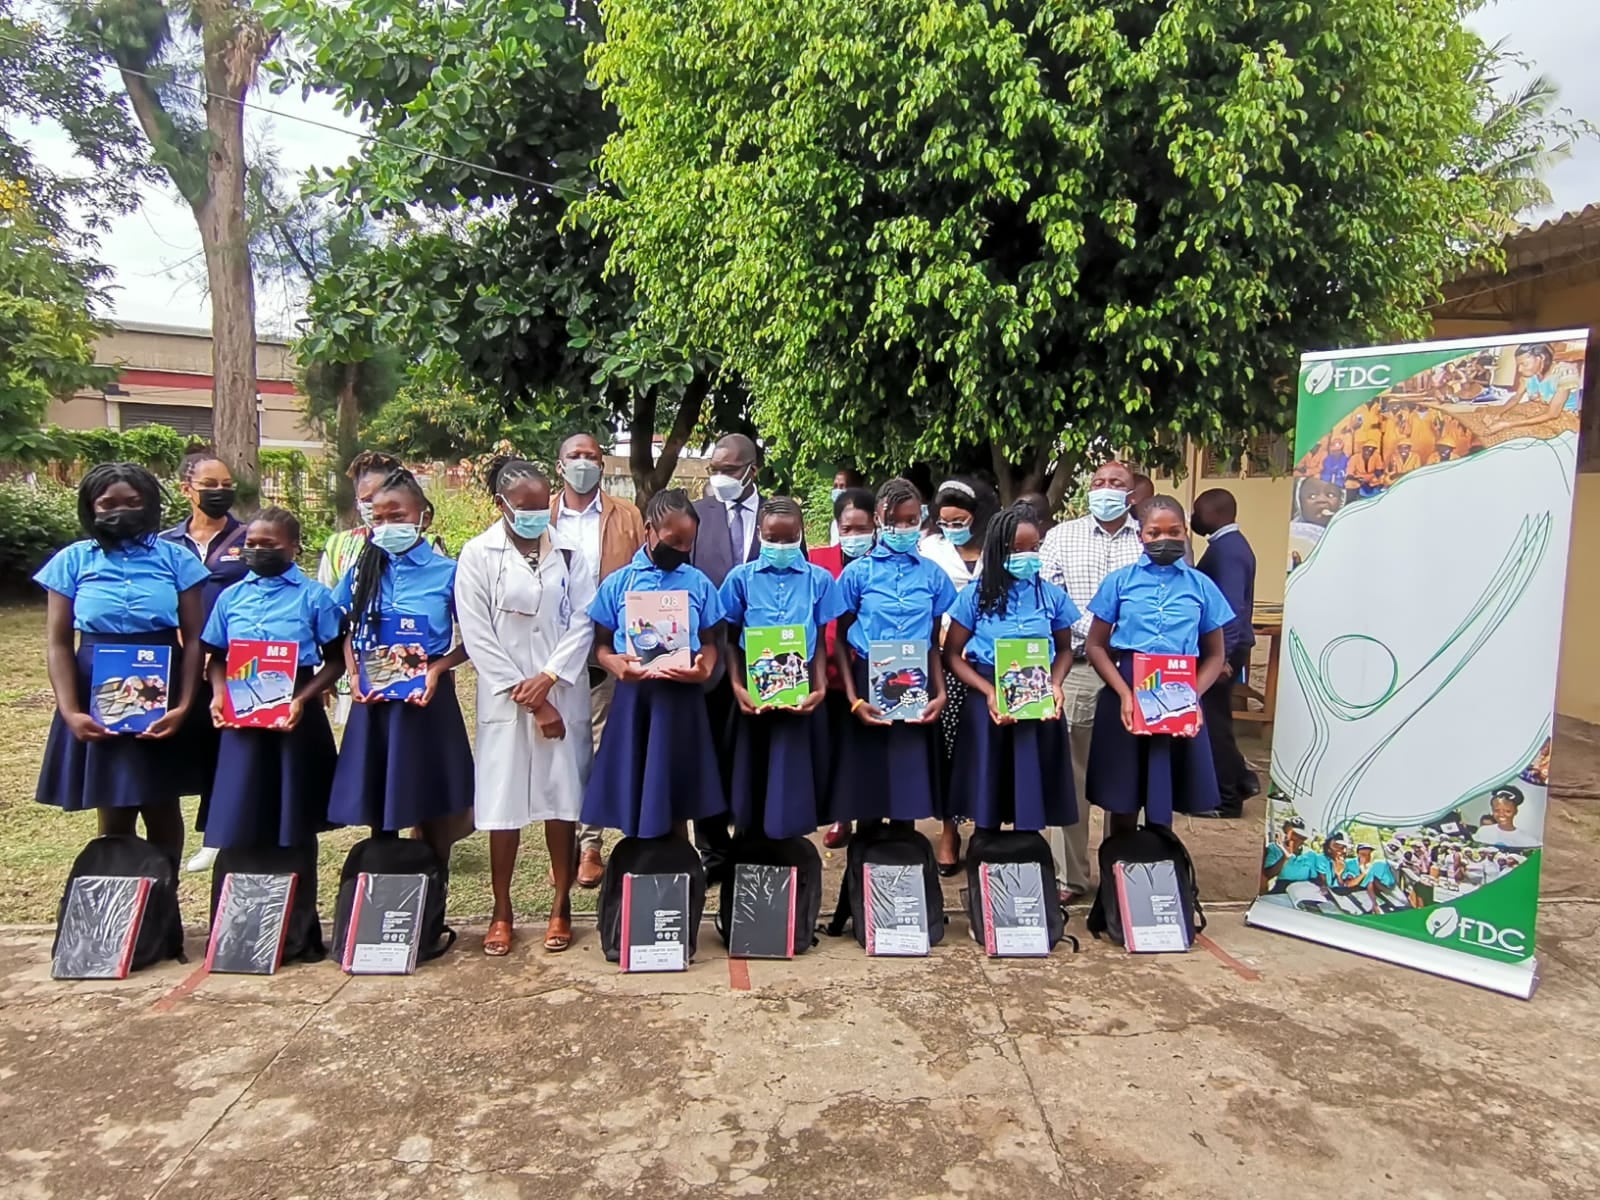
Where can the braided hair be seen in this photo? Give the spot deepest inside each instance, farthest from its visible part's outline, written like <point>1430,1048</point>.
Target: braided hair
<point>855,497</point>
<point>1157,504</point>
<point>893,494</point>
<point>282,519</point>
<point>506,469</point>
<point>372,462</point>
<point>994,584</point>
<point>98,479</point>
<point>193,456</point>
<point>666,502</point>
<point>366,584</point>
<point>783,506</point>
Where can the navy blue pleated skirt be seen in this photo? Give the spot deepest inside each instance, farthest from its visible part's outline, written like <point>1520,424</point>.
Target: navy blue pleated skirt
<point>272,788</point>
<point>780,773</point>
<point>1018,775</point>
<point>124,771</point>
<point>403,764</point>
<point>1157,772</point>
<point>197,743</point>
<point>656,764</point>
<point>885,773</point>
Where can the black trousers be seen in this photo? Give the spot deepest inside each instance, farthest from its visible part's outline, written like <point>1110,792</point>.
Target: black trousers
<point>1217,704</point>
<point>712,836</point>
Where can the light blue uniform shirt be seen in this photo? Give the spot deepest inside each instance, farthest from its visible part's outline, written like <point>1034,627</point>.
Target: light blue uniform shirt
<point>419,583</point>
<point>284,608</point>
<point>1379,872</point>
<point>1034,609</point>
<point>896,597</point>
<point>1159,610</point>
<point>1305,866</point>
<point>755,594</point>
<point>609,609</point>
<point>133,588</point>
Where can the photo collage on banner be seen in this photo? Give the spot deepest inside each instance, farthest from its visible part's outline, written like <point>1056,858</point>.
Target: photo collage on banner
<point>1431,515</point>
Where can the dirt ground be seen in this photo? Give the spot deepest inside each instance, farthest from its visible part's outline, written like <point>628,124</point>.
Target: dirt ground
<point>1253,1066</point>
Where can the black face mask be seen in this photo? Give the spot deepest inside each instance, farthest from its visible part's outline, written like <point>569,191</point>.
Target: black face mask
<point>119,526</point>
<point>214,502</point>
<point>668,558</point>
<point>261,560</point>
<point>1200,527</point>
<point>1164,551</point>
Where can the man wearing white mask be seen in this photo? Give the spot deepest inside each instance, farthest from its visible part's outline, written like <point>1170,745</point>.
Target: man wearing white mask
<point>1078,555</point>
<point>727,537</point>
<point>605,533</point>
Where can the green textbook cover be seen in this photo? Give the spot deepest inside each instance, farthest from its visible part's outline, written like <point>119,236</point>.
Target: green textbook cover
<point>1022,678</point>
<point>775,665</point>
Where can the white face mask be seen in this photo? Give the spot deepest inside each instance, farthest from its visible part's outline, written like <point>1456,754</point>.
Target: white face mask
<point>727,488</point>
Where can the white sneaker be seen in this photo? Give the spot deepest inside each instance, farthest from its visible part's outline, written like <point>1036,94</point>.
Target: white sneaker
<point>203,859</point>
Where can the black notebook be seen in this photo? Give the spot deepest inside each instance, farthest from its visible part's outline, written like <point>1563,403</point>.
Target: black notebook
<point>1152,913</point>
<point>251,922</point>
<point>385,924</point>
<point>100,926</point>
<point>655,922</point>
<point>1013,910</point>
<point>761,924</point>
<point>896,909</point>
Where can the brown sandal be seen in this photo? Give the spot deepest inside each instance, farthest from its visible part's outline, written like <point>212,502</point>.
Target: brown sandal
<point>497,941</point>
<point>558,934</point>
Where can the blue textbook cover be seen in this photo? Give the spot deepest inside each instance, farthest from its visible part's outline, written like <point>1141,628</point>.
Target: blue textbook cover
<point>129,686</point>
<point>395,665</point>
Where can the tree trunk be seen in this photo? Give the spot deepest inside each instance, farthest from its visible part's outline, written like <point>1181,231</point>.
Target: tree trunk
<point>347,437</point>
<point>651,474</point>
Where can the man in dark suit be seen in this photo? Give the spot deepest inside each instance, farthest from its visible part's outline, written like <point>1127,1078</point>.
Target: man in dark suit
<point>1231,565</point>
<point>727,537</point>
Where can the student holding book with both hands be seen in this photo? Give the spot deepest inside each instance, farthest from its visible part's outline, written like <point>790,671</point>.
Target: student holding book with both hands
<point>272,782</point>
<point>780,604</point>
<point>405,763</point>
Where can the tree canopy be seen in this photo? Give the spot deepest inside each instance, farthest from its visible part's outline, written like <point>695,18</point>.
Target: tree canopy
<point>922,228</point>
<point>487,130</point>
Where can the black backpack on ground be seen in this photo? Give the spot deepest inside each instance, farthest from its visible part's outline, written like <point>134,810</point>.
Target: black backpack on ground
<point>302,940</point>
<point>891,846</point>
<point>397,856</point>
<point>1147,844</point>
<point>123,854</point>
<point>797,852</point>
<point>649,856</point>
<point>1014,846</point>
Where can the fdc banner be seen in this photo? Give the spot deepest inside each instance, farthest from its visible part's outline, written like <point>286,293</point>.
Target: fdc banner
<point>1422,627</point>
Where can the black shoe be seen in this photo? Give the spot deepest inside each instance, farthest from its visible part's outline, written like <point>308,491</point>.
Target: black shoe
<point>948,869</point>
<point>1220,814</point>
<point>1250,785</point>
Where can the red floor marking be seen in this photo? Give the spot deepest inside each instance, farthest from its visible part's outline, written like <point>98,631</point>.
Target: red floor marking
<point>171,999</point>
<point>739,974</point>
<point>1245,973</point>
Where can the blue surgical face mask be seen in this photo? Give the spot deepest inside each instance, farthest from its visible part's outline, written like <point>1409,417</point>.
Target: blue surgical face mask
<point>957,535</point>
<point>835,494</point>
<point>394,539</point>
<point>1107,504</point>
<point>364,511</point>
<point>1025,564</point>
<point>780,554</point>
<point>855,545</point>
<point>530,525</point>
<point>901,540</point>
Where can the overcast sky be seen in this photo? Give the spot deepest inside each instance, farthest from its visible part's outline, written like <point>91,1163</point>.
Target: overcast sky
<point>154,253</point>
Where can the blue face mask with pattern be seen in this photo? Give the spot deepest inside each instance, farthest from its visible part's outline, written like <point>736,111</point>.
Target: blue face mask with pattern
<point>901,541</point>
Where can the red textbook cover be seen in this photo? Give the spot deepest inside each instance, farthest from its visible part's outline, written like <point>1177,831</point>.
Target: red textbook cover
<point>1165,699</point>
<point>260,682</point>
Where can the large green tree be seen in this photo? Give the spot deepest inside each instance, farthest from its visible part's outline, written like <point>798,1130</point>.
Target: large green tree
<point>924,228</point>
<point>187,67</point>
<point>487,129</point>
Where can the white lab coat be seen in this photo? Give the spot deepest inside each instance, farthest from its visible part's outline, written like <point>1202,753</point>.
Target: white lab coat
<point>516,624</point>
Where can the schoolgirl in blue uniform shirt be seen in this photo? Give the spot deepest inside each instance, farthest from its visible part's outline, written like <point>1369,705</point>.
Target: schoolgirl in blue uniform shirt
<point>404,763</point>
<point>1158,605</point>
<point>656,769</point>
<point>120,586</point>
<point>216,537</point>
<point>272,785</point>
<point>1005,771</point>
<point>889,770</point>
<point>780,756</point>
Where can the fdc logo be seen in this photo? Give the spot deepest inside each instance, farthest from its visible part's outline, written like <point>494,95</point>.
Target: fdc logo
<point>1447,923</point>
<point>1325,375</point>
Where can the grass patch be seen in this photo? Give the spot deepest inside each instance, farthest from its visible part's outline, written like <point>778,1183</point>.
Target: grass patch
<point>38,843</point>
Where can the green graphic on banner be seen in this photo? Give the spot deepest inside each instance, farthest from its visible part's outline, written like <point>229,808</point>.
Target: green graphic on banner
<point>1412,741</point>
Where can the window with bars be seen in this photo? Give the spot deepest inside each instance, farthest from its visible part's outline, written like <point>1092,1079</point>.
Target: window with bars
<point>1259,457</point>
<point>190,420</point>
